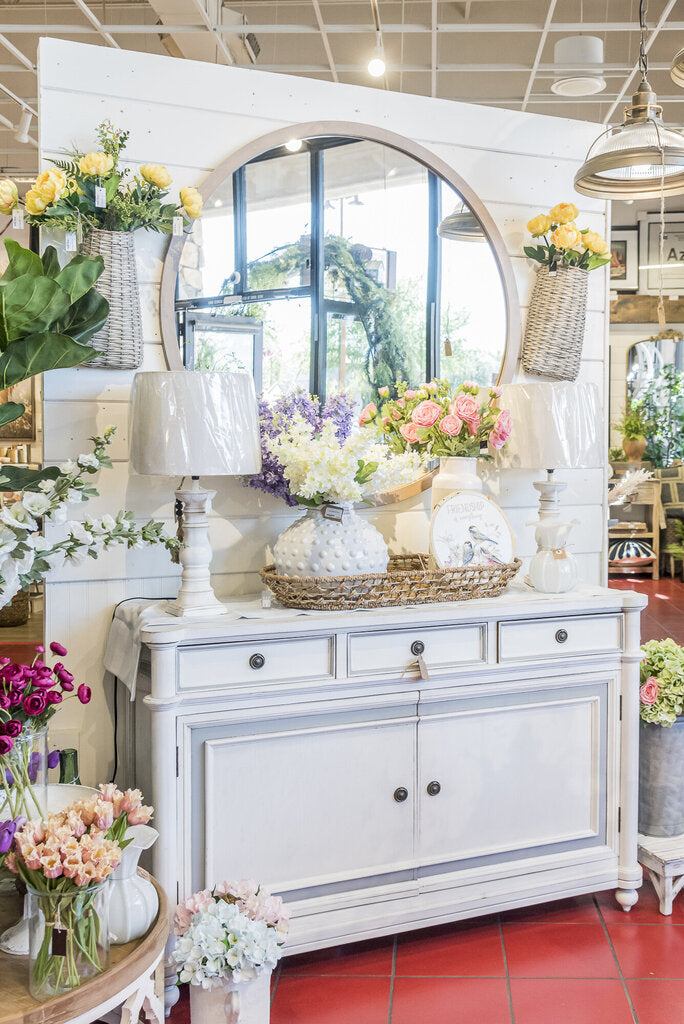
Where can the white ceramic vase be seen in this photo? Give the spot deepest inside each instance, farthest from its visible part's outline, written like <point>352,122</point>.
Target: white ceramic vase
<point>133,901</point>
<point>319,546</point>
<point>553,569</point>
<point>456,473</point>
<point>248,1002</point>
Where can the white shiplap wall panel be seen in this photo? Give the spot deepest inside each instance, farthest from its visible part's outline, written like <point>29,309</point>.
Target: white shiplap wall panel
<point>518,163</point>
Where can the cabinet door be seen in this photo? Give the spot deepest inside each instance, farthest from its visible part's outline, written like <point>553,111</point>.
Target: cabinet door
<point>518,773</point>
<point>302,802</point>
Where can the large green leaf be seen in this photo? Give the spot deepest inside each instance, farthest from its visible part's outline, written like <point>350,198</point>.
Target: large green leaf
<point>38,353</point>
<point>21,261</point>
<point>11,411</point>
<point>85,317</point>
<point>30,304</point>
<point>19,478</point>
<point>79,276</point>
<point>50,261</point>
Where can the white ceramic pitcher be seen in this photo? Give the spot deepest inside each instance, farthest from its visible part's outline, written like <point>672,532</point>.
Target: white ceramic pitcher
<point>133,901</point>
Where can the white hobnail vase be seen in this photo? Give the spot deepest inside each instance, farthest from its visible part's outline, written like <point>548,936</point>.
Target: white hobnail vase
<point>248,1002</point>
<point>319,546</point>
<point>456,473</point>
<point>133,900</point>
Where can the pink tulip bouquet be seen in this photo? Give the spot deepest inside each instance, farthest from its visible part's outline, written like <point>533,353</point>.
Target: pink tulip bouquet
<point>250,924</point>
<point>438,421</point>
<point>29,697</point>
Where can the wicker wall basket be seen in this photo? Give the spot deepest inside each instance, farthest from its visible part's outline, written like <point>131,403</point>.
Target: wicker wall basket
<point>554,333</point>
<point>407,581</point>
<point>120,340</point>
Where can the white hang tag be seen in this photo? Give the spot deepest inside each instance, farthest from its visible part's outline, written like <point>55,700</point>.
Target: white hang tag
<point>79,231</point>
<point>177,226</point>
<point>100,197</point>
<point>18,218</point>
<point>422,668</point>
<point>70,241</point>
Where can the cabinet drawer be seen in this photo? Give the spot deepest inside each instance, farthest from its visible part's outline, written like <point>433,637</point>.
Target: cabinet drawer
<point>558,638</point>
<point>256,662</point>
<point>396,651</point>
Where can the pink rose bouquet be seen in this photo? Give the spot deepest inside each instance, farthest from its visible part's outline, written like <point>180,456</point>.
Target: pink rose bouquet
<point>437,421</point>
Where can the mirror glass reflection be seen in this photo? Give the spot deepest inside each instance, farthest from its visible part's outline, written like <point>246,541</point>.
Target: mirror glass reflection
<point>648,360</point>
<point>323,269</point>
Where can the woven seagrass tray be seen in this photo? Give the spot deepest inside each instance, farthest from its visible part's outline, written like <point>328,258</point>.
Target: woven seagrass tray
<point>408,580</point>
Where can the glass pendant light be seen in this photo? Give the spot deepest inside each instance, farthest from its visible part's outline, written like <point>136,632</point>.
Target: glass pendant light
<point>677,69</point>
<point>640,158</point>
<point>462,226</point>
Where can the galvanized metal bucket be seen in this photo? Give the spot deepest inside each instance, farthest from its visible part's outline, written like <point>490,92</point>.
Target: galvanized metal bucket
<point>661,779</point>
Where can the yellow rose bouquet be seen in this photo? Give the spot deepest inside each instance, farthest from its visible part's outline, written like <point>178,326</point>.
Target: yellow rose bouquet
<point>564,243</point>
<point>91,190</point>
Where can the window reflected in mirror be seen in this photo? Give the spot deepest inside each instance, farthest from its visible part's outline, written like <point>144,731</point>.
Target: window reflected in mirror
<point>324,269</point>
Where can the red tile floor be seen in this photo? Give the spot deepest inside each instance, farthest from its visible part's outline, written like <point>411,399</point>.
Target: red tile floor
<point>577,961</point>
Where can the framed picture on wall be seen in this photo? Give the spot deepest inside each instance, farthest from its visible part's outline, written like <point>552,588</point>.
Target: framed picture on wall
<point>624,259</point>
<point>23,429</point>
<point>672,254</point>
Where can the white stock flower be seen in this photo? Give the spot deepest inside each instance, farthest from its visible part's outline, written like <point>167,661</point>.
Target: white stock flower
<point>78,532</point>
<point>77,557</point>
<point>69,468</point>
<point>58,515</point>
<point>108,522</point>
<point>25,563</point>
<point>47,486</point>
<point>37,504</point>
<point>18,515</point>
<point>73,496</point>
<point>8,540</point>
<point>89,461</point>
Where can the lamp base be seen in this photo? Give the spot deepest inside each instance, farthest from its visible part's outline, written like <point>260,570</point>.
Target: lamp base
<point>196,597</point>
<point>553,569</point>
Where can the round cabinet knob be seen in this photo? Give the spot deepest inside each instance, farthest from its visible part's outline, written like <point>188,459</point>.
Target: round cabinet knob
<point>257,661</point>
<point>561,636</point>
<point>417,647</point>
<point>400,794</point>
<point>433,788</point>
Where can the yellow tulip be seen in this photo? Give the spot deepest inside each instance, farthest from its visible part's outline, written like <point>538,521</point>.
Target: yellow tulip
<point>9,196</point>
<point>96,165</point>
<point>566,236</point>
<point>51,185</point>
<point>592,241</point>
<point>539,225</point>
<point>34,203</point>
<point>563,213</point>
<point>192,201</point>
<point>156,174</point>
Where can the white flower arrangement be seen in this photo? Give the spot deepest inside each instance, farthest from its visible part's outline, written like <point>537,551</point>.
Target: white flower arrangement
<point>319,468</point>
<point>27,556</point>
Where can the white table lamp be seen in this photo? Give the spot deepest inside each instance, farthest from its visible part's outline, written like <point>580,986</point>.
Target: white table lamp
<point>555,426</point>
<point>191,424</point>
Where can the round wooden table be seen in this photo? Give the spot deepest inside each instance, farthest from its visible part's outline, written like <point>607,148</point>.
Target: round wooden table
<point>133,981</point>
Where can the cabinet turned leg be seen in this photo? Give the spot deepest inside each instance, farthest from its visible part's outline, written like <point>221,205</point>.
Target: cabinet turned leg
<point>171,993</point>
<point>626,898</point>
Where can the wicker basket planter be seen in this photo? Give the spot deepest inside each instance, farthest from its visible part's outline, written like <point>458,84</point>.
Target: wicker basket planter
<point>554,333</point>
<point>408,580</point>
<point>120,340</point>
<point>16,613</point>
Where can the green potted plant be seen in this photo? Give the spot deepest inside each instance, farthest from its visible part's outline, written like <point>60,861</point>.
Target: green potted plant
<point>634,426</point>
<point>661,747</point>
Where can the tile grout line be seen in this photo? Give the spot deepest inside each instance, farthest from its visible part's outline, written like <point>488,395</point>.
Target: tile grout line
<point>508,977</point>
<point>391,994</point>
<point>617,963</point>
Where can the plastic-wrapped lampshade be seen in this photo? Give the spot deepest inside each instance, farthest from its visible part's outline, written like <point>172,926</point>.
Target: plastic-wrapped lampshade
<point>462,226</point>
<point>555,426</point>
<point>195,424</point>
<point>637,159</point>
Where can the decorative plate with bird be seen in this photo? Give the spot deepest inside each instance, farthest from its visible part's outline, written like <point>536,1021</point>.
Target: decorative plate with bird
<point>469,529</point>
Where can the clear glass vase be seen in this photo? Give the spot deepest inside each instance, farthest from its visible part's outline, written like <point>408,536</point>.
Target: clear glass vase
<point>23,776</point>
<point>68,938</point>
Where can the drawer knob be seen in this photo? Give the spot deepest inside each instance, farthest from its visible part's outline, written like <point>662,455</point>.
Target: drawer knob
<point>417,647</point>
<point>257,661</point>
<point>433,788</point>
<point>400,794</point>
<point>561,636</point>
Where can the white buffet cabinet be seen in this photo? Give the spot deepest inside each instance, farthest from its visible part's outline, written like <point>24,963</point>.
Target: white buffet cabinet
<point>307,750</point>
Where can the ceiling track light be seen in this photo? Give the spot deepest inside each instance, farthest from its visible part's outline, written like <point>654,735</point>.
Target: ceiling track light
<point>22,132</point>
<point>377,64</point>
<point>585,55</point>
<point>641,158</point>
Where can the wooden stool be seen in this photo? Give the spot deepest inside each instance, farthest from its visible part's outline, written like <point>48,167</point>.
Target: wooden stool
<point>664,860</point>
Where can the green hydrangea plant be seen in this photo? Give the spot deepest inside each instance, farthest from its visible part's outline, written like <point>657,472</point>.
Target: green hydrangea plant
<point>661,697</point>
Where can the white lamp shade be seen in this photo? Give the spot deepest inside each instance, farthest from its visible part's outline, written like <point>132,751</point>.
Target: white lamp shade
<point>188,423</point>
<point>555,426</point>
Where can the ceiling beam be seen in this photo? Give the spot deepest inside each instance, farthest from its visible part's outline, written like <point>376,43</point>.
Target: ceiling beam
<point>21,57</point>
<point>325,40</point>
<point>210,27</point>
<point>17,99</point>
<point>538,55</point>
<point>649,43</point>
<point>96,23</point>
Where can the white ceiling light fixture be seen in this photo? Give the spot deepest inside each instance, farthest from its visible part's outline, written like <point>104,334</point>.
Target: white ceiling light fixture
<point>22,132</point>
<point>584,54</point>
<point>677,69</point>
<point>293,145</point>
<point>377,65</point>
<point>641,158</point>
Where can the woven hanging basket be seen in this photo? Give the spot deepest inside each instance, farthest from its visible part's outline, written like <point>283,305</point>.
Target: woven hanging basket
<point>120,340</point>
<point>554,333</point>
